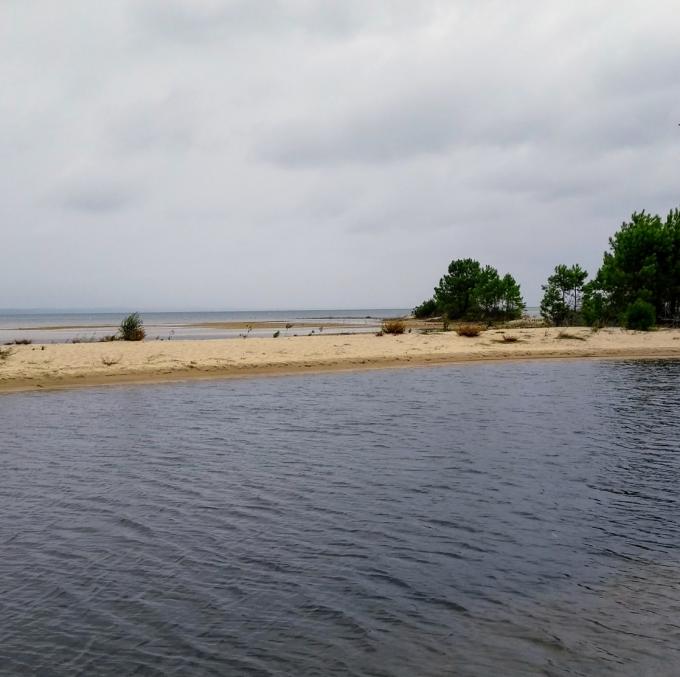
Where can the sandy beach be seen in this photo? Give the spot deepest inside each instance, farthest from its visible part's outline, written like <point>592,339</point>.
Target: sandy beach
<point>34,367</point>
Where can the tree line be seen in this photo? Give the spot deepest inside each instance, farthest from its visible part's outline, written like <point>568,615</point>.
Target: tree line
<point>637,285</point>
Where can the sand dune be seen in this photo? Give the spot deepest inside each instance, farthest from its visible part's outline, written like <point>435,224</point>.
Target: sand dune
<point>67,365</point>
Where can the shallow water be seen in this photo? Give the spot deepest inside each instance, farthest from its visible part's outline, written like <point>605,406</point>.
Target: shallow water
<point>509,519</point>
<point>91,326</point>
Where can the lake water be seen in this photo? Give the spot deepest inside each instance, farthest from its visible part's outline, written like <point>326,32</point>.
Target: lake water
<point>83,326</point>
<point>88,326</point>
<point>499,519</point>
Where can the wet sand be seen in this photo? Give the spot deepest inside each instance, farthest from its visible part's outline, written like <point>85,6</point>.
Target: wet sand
<point>289,327</point>
<point>260,324</point>
<point>36,367</point>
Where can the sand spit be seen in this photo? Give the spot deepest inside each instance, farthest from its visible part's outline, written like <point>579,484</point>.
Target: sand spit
<point>68,365</point>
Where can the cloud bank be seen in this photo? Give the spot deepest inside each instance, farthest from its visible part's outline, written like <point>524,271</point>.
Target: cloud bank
<point>233,154</point>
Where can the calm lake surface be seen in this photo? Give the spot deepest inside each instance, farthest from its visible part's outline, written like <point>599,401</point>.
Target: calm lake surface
<point>499,519</point>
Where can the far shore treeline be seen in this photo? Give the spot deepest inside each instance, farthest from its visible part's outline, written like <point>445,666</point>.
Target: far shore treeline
<point>637,285</point>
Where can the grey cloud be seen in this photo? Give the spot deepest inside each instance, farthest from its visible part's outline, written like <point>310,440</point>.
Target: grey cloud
<point>396,135</point>
<point>99,197</point>
<point>595,98</point>
<point>184,22</point>
<point>416,122</point>
<point>253,145</point>
<point>653,67</point>
<point>400,130</point>
<point>167,125</point>
<point>192,22</point>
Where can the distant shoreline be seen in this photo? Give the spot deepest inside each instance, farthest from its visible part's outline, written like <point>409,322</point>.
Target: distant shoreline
<point>80,328</point>
<point>241,325</point>
<point>37,367</point>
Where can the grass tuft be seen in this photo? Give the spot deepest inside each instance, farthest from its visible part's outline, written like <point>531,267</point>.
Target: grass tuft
<point>132,328</point>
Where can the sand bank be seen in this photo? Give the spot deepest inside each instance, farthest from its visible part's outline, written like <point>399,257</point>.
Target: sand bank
<point>68,365</point>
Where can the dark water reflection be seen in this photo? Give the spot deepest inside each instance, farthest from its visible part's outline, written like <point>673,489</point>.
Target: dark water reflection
<point>481,520</point>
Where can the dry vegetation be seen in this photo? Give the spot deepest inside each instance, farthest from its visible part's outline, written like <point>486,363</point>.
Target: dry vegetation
<point>508,339</point>
<point>469,329</point>
<point>570,336</point>
<point>393,327</point>
<point>6,353</point>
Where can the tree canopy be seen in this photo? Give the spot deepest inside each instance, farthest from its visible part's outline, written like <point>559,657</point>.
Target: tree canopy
<point>470,291</point>
<point>563,295</point>
<point>643,264</point>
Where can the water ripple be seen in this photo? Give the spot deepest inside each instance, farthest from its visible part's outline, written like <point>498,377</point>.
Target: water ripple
<point>509,519</point>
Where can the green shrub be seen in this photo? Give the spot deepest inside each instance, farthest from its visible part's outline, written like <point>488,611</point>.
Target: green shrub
<point>132,328</point>
<point>640,315</point>
<point>425,309</point>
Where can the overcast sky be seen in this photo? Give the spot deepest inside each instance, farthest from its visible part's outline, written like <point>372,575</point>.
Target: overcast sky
<point>245,154</point>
